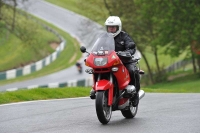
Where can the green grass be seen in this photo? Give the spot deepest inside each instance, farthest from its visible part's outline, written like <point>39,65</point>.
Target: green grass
<point>88,8</point>
<point>16,53</point>
<point>26,43</point>
<point>42,94</point>
<point>188,83</point>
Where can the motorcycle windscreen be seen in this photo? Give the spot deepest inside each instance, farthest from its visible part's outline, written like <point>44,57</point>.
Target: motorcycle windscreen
<point>104,43</point>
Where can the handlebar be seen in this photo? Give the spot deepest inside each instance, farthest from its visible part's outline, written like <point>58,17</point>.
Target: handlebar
<point>124,53</point>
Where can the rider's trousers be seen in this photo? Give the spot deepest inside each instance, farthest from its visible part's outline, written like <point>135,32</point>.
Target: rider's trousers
<point>134,75</point>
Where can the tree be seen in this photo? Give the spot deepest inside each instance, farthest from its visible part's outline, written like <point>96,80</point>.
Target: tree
<point>147,20</point>
<point>1,4</point>
<point>181,27</point>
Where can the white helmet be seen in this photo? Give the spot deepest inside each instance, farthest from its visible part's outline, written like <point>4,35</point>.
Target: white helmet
<point>114,21</point>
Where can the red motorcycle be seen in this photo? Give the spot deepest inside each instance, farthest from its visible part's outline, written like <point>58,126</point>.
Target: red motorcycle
<point>111,79</point>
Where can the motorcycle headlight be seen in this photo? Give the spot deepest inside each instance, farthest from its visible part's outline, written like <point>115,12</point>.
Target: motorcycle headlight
<point>100,61</point>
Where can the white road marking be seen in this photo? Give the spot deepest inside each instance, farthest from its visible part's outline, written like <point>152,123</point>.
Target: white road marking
<point>9,104</point>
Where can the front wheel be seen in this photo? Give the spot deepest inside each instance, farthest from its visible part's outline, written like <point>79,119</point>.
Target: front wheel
<point>130,112</point>
<point>103,111</point>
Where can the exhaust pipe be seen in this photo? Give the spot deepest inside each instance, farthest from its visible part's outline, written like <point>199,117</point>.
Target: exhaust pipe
<point>141,94</point>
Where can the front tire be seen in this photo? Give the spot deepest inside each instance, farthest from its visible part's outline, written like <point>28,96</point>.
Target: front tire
<point>103,111</point>
<point>130,112</point>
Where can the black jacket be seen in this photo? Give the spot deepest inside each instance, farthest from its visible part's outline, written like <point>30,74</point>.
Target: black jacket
<point>123,42</point>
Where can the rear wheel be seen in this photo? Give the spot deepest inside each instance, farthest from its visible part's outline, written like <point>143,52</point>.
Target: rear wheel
<point>130,112</point>
<point>103,111</point>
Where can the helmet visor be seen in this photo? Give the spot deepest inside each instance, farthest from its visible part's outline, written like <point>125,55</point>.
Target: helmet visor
<point>112,28</point>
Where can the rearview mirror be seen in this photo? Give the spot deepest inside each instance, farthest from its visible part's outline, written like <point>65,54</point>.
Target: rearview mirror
<point>82,49</point>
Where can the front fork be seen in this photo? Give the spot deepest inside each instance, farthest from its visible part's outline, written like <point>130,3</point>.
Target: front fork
<point>103,85</point>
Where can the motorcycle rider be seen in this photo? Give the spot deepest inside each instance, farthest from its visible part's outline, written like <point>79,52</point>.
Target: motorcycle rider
<point>78,65</point>
<point>123,42</point>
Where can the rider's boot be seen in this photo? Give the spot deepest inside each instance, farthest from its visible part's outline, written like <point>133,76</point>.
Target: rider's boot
<point>92,94</point>
<point>135,100</point>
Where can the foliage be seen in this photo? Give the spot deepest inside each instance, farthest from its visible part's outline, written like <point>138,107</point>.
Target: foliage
<point>181,24</point>
<point>180,28</point>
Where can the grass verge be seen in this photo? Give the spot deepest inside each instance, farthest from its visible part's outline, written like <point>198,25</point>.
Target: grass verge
<point>188,83</point>
<point>43,94</point>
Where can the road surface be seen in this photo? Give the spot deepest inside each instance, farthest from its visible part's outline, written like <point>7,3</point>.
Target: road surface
<point>157,113</point>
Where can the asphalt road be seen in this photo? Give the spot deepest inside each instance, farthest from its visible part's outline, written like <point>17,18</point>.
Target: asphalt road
<point>158,113</point>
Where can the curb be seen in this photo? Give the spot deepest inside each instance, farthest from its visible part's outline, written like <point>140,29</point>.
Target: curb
<point>71,83</point>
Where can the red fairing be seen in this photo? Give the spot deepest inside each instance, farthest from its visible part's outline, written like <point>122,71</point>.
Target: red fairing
<point>122,74</point>
<point>112,58</point>
<point>105,85</point>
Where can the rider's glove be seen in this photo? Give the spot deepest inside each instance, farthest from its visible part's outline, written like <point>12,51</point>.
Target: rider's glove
<point>128,50</point>
<point>124,53</point>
